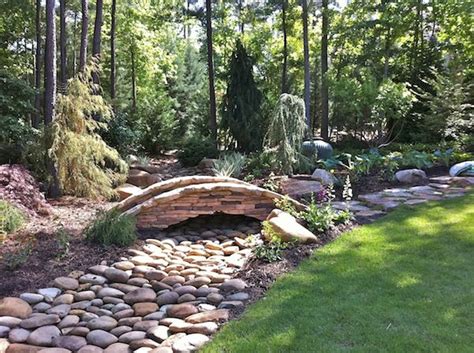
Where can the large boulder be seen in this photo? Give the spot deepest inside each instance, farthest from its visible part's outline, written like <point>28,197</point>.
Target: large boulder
<point>462,169</point>
<point>411,176</point>
<point>288,229</point>
<point>141,178</point>
<point>300,186</point>
<point>206,163</point>
<point>324,177</point>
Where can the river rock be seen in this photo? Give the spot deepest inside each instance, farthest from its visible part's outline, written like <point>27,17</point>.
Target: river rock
<point>73,343</point>
<point>40,320</point>
<point>101,338</point>
<point>116,275</point>
<point>16,307</point>
<point>288,229</point>
<point>140,295</point>
<point>181,311</point>
<point>66,283</point>
<point>44,336</point>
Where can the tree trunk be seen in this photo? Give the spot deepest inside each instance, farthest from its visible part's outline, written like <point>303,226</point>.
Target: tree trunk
<point>62,45</point>
<point>112,50</point>
<point>134,79</point>
<point>97,39</point>
<point>284,78</point>
<point>210,70</point>
<point>84,36</point>
<point>74,46</point>
<point>324,70</point>
<point>35,122</point>
<point>307,73</point>
<point>241,20</point>
<point>50,87</point>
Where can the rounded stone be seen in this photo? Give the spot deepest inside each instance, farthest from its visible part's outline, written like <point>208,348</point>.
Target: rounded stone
<point>69,321</point>
<point>142,309</point>
<point>66,283</point>
<point>120,330</point>
<point>156,275</point>
<point>214,298</point>
<point>117,348</point>
<point>145,325</point>
<point>110,292</point>
<point>167,298</point>
<point>73,343</point>
<point>90,349</point>
<point>15,307</point>
<point>9,321</point>
<point>40,320</point>
<point>104,323</point>
<point>181,311</point>
<point>205,328</point>
<point>4,330</point>
<point>64,299</point>
<point>18,335</point>
<point>31,298</point>
<point>140,295</point>
<point>186,298</point>
<point>132,336</point>
<point>101,338</point>
<point>44,336</point>
<point>85,295</point>
<point>159,333</point>
<point>116,275</point>
<point>93,279</point>
<point>172,280</point>
<point>233,285</point>
<point>60,310</point>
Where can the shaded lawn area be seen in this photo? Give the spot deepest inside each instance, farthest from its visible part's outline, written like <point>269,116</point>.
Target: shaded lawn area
<point>402,284</point>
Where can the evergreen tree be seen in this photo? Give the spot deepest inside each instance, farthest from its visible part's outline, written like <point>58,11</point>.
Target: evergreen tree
<point>241,103</point>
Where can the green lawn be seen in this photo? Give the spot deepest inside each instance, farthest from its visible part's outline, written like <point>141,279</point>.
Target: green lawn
<point>402,284</point>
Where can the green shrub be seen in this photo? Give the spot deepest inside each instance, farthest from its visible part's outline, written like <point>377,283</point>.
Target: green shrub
<point>63,239</point>
<point>195,149</point>
<point>10,218</point>
<point>14,259</point>
<point>112,228</point>
<point>270,251</point>
<point>229,165</point>
<point>286,205</point>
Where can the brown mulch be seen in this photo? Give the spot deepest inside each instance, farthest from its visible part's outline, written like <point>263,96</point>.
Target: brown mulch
<point>44,256</point>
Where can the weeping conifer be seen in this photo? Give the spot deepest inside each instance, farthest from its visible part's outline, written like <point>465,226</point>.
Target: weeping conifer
<point>86,165</point>
<point>241,104</point>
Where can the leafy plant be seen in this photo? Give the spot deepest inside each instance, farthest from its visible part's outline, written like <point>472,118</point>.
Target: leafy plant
<point>86,165</point>
<point>319,217</point>
<point>63,240</point>
<point>417,159</point>
<point>286,205</point>
<point>112,228</point>
<point>271,183</point>
<point>270,251</point>
<point>343,217</point>
<point>14,259</point>
<point>195,149</point>
<point>229,165</point>
<point>445,156</point>
<point>11,218</point>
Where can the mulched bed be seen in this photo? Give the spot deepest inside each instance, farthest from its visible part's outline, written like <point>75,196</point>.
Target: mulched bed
<point>44,263</point>
<point>260,275</point>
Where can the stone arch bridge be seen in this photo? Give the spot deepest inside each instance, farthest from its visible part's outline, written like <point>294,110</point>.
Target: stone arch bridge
<point>172,201</point>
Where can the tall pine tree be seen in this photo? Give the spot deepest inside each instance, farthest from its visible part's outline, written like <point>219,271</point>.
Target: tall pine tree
<point>241,103</point>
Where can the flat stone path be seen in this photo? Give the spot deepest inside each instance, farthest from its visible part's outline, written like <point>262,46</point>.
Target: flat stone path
<point>372,205</point>
<point>169,296</point>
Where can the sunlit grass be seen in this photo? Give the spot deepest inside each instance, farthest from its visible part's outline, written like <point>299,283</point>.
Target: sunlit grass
<point>402,284</point>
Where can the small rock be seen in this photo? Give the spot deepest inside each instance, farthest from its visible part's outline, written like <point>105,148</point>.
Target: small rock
<point>44,336</point>
<point>167,298</point>
<point>110,292</point>
<point>233,285</point>
<point>324,177</point>
<point>117,348</point>
<point>40,320</point>
<point>214,315</point>
<point>4,330</point>
<point>9,321</point>
<point>60,310</point>
<point>90,349</point>
<point>140,295</point>
<point>18,335</point>
<point>101,338</point>
<point>158,333</point>
<point>66,283</point>
<point>73,343</point>
<point>104,322</point>
<point>132,336</point>
<point>215,298</point>
<point>142,309</point>
<point>50,292</point>
<point>31,298</point>
<point>181,311</point>
<point>115,275</point>
<point>15,307</point>
<point>205,328</point>
<point>93,279</point>
<point>411,176</point>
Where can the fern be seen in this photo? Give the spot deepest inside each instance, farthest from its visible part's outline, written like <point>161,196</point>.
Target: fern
<point>86,165</point>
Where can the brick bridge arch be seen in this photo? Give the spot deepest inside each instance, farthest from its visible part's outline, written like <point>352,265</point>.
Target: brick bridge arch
<point>172,201</point>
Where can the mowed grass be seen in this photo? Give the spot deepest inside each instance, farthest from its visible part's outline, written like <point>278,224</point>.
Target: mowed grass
<point>402,284</point>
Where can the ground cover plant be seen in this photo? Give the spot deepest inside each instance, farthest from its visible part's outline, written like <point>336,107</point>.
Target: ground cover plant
<point>400,284</point>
